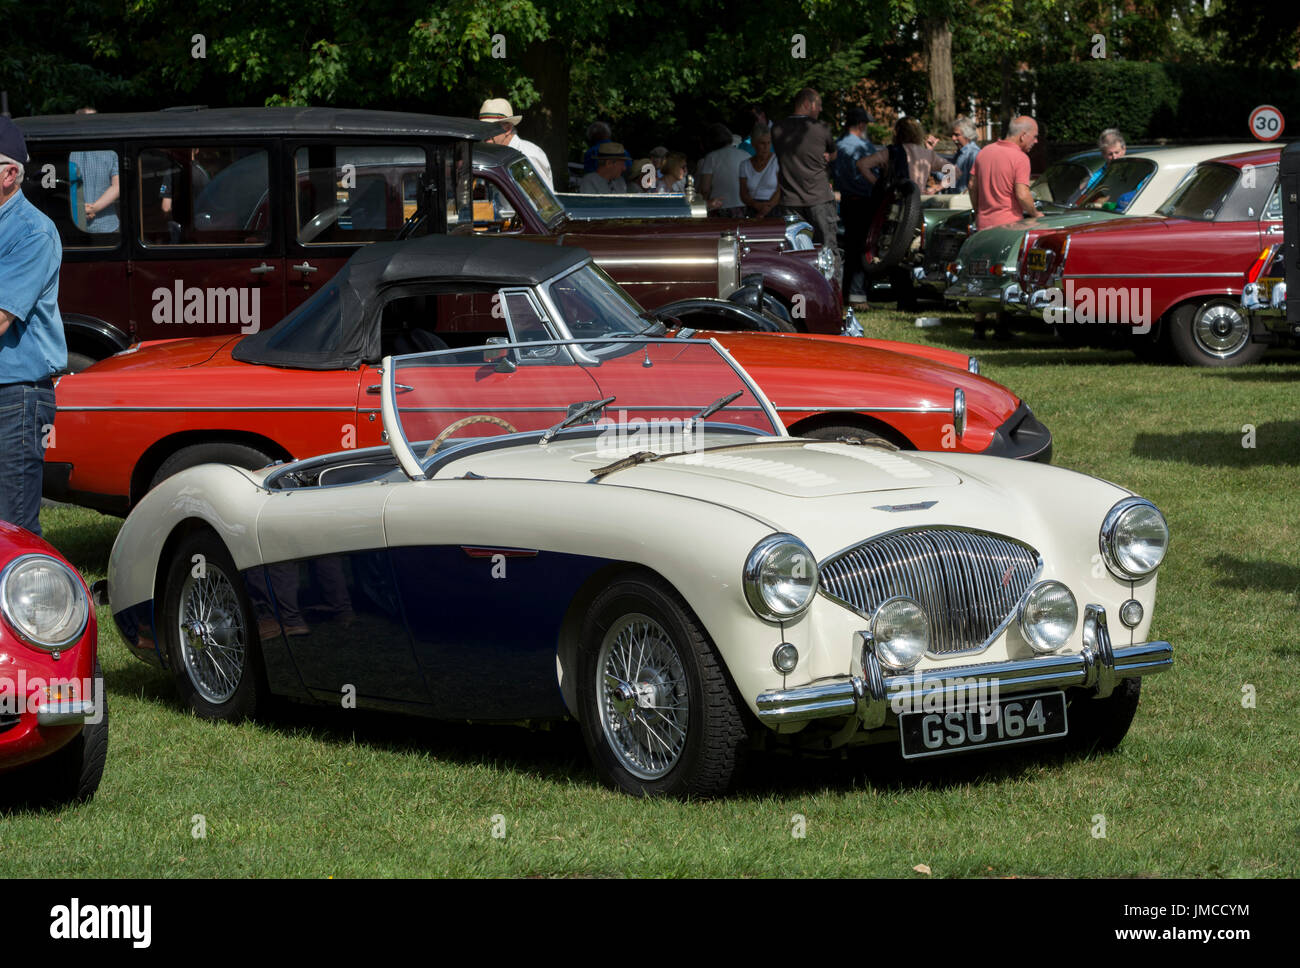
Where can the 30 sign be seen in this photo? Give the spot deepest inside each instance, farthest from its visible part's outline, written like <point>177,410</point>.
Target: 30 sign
<point>1266,122</point>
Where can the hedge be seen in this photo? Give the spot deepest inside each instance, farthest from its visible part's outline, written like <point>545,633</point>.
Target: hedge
<point>1076,101</point>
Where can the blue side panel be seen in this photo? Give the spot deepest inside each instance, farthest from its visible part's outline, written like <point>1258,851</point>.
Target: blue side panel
<point>484,624</point>
<point>339,624</point>
<point>281,673</point>
<point>136,623</point>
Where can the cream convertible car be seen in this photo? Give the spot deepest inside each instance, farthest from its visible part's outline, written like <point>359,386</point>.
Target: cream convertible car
<point>649,553</point>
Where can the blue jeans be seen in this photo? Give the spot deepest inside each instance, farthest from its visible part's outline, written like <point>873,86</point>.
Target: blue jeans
<point>26,421</point>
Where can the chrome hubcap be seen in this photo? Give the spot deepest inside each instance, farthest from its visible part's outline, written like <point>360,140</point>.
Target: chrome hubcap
<point>1221,330</point>
<point>212,635</point>
<point>642,697</point>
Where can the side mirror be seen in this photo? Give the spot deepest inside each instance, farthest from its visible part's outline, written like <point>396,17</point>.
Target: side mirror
<point>499,357</point>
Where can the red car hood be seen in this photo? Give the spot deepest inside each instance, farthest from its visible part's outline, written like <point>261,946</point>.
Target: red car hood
<point>165,353</point>
<point>827,372</point>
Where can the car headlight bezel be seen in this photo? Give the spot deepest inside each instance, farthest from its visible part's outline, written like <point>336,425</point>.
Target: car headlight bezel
<point>1118,559</point>
<point>1032,631</point>
<point>78,611</point>
<point>883,646</point>
<point>760,561</point>
<point>826,262</point>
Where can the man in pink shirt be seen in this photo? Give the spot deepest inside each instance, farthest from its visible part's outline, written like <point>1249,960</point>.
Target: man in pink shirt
<point>999,181</point>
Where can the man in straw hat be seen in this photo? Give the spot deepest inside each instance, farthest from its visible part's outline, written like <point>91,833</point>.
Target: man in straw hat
<point>497,109</point>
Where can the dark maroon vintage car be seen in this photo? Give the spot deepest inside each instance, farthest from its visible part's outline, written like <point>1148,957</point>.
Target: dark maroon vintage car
<point>1172,282</point>
<point>229,219</point>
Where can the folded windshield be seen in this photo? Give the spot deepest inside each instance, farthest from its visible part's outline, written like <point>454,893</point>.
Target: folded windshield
<point>639,394</point>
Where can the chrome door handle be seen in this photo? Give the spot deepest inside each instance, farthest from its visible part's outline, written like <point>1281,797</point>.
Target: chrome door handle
<point>1274,229</point>
<point>261,270</point>
<point>377,388</point>
<point>305,268</point>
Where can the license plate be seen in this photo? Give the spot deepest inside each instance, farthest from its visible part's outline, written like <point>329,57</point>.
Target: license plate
<point>1008,721</point>
<point>979,267</point>
<point>1036,260</point>
<point>1266,288</point>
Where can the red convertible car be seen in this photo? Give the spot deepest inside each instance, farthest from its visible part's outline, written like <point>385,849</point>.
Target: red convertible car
<point>1173,279</point>
<point>53,714</point>
<point>309,385</point>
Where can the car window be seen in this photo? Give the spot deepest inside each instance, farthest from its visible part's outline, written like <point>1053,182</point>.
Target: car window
<point>1201,194</point>
<point>524,316</point>
<point>1122,181</point>
<point>351,194</point>
<point>78,191</point>
<point>492,210</point>
<point>204,196</point>
<point>1273,210</point>
<point>1060,182</point>
<point>546,205</point>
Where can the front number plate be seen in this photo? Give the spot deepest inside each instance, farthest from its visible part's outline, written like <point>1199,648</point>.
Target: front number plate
<point>1036,260</point>
<point>1010,720</point>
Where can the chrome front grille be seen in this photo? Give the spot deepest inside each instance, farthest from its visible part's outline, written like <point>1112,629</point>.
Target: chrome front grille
<point>968,582</point>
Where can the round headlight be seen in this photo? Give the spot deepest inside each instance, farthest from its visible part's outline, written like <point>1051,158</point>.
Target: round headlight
<point>900,630</point>
<point>780,577</point>
<point>826,261</point>
<point>1134,538</point>
<point>1049,616</point>
<point>43,601</point>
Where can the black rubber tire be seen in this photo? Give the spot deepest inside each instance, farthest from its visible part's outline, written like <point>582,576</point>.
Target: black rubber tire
<point>72,774</point>
<point>78,362</point>
<point>1100,725</point>
<point>780,325</point>
<point>217,452</point>
<point>1192,351</point>
<point>234,623</point>
<point>846,431</point>
<point>892,225</point>
<point>716,735</point>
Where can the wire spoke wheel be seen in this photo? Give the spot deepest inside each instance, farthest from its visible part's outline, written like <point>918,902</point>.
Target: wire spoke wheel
<point>212,634</point>
<point>643,698</point>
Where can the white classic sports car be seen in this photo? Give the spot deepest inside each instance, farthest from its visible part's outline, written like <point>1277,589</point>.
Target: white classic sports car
<point>662,562</point>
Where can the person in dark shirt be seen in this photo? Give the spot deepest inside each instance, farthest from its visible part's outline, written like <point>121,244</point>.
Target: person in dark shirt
<point>804,149</point>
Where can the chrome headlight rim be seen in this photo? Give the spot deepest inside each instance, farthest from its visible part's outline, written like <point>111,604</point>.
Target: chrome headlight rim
<point>751,577</point>
<point>877,642</point>
<point>827,261</point>
<point>1106,539</point>
<point>1029,631</point>
<point>80,601</point>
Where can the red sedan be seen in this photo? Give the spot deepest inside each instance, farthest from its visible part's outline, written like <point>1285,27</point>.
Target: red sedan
<point>1174,280</point>
<point>53,713</point>
<point>309,385</point>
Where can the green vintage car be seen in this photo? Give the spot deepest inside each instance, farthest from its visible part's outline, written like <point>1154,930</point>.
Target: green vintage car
<point>986,264</point>
<point>946,229</point>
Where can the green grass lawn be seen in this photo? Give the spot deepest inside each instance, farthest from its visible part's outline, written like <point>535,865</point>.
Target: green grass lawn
<point>1202,787</point>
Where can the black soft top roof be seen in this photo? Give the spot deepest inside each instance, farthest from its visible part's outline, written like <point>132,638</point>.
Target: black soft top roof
<point>262,122</point>
<point>337,328</point>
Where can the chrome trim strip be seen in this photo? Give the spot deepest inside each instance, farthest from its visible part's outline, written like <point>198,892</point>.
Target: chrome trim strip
<point>1152,275</point>
<point>818,409</point>
<point>207,409</point>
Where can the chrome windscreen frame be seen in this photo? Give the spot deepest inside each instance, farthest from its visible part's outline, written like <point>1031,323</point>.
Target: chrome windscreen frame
<point>410,461</point>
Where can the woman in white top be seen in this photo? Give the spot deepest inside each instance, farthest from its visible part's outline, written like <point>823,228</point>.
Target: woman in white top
<point>759,189</point>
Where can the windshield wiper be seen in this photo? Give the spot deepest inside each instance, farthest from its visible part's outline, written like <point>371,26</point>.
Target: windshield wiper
<point>718,404</point>
<point>583,410</point>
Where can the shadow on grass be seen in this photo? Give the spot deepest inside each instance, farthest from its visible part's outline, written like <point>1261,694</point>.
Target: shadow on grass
<point>84,541</point>
<point>1271,371</point>
<point>1256,575</point>
<point>1276,442</point>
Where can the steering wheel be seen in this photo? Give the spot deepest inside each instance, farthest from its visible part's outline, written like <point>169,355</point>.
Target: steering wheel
<point>465,422</point>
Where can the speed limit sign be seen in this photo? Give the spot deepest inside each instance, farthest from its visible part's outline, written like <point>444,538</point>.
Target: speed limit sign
<point>1266,122</point>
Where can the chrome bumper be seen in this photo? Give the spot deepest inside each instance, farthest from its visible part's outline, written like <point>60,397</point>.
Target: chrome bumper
<point>76,712</point>
<point>1098,666</point>
<point>1253,300</point>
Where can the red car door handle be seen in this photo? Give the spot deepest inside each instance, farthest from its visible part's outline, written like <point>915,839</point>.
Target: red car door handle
<point>376,388</point>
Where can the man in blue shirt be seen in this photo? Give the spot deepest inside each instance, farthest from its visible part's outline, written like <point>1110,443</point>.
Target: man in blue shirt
<point>963,133</point>
<point>32,347</point>
<point>855,199</point>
